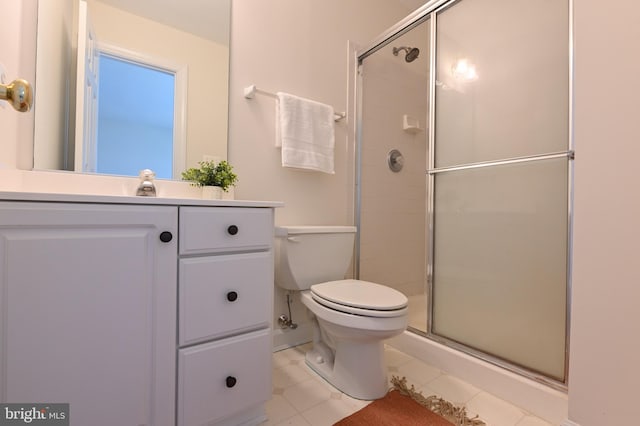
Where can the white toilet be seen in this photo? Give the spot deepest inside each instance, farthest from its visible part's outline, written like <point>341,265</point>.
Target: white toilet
<point>351,318</point>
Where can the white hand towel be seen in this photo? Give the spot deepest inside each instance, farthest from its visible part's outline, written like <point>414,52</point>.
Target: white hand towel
<point>305,130</point>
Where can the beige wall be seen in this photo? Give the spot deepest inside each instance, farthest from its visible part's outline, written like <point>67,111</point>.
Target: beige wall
<point>605,349</point>
<point>299,47</point>
<point>55,79</point>
<point>207,110</point>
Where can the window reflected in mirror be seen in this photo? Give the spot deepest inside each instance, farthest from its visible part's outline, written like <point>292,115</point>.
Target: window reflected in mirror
<point>193,37</point>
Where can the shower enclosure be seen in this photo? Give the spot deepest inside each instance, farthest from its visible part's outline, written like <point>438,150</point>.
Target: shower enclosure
<point>464,177</point>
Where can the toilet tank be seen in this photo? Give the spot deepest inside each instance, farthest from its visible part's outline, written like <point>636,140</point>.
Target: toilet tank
<point>307,255</point>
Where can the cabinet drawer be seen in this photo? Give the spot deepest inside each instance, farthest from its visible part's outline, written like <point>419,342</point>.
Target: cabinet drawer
<point>224,294</point>
<point>219,379</point>
<point>214,229</point>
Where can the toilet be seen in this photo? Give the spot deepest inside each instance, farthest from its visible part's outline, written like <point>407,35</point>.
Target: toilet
<point>350,318</point>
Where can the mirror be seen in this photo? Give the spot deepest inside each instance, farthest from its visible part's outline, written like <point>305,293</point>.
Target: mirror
<point>186,40</point>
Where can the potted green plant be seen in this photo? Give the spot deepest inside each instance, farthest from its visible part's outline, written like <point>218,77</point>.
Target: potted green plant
<point>212,177</point>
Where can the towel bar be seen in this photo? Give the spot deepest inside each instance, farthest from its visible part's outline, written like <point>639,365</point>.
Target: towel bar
<point>250,92</point>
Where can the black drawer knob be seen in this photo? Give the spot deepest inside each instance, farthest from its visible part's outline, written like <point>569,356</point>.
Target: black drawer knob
<point>232,296</point>
<point>166,236</point>
<point>232,230</point>
<point>231,381</point>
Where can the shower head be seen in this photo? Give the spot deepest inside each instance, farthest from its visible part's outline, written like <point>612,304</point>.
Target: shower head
<point>410,56</point>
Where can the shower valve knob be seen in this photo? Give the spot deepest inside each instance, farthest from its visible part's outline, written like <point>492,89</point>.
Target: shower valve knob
<point>395,160</point>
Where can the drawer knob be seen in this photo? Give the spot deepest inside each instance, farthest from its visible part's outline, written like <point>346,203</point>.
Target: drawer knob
<point>232,296</point>
<point>166,236</point>
<point>231,381</point>
<point>232,230</point>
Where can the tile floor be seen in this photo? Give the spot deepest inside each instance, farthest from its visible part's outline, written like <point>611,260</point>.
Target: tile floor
<point>302,398</point>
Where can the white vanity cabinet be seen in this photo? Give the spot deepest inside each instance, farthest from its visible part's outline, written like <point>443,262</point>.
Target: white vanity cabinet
<point>225,308</point>
<point>87,310</point>
<point>137,312</point>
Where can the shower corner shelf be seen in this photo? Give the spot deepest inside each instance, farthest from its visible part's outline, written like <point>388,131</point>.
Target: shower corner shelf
<point>411,124</point>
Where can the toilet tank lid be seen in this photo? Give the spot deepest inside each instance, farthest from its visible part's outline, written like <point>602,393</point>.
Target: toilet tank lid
<point>283,231</point>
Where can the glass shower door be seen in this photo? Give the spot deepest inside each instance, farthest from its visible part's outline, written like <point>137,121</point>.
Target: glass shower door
<point>394,82</point>
<point>499,178</point>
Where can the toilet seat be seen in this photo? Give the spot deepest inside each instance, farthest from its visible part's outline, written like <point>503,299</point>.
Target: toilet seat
<point>360,298</point>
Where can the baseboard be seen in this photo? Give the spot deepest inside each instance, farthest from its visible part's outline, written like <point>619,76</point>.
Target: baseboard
<point>569,423</point>
<point>540,400</point>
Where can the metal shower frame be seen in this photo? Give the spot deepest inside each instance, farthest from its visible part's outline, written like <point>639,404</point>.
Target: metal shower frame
<point>428,12</point>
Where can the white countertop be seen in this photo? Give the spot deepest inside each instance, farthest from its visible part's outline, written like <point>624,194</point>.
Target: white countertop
<point>118,199</point>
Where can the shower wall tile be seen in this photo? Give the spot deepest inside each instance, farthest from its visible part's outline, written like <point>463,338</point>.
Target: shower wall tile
<point>393,213</point>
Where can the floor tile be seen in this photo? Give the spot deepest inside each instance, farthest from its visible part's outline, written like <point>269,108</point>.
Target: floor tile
<point>494,411</point>
<point>453,389</point>
<point>279,409</point>
<point>289,356</point>
<point>298,352</point>
<point>356,404</point>
<point>395,358</point>
<point>306,394</point>
<point>303,398</point>
<point>427,391</point>
<point>290,375</point>
<point>327,412</point>
<point>297,420</point>
<point>532,421</point>
<point>321,380</point>
<point>418,373</point>
<point>281,359</point>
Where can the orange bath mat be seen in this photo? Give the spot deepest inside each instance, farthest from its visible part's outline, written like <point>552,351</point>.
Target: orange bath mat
<point>407,407</point>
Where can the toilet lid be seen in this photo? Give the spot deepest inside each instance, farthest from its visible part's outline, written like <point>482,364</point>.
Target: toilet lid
<point>363,295</point>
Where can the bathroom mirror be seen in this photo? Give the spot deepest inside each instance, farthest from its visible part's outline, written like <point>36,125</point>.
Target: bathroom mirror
<point>184,43</point>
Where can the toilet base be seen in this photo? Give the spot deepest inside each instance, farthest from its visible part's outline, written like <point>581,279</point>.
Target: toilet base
<point>358,369</point>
